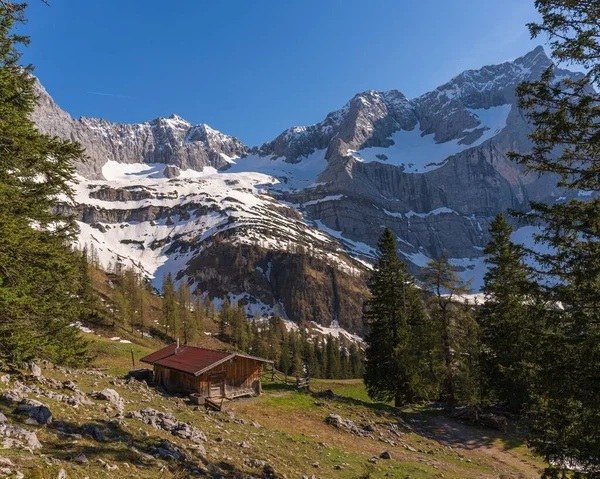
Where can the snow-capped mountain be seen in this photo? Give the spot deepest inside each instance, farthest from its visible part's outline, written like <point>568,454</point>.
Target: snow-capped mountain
<point>291,226</point>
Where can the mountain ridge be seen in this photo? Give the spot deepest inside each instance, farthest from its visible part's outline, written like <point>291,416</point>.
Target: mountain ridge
<point>164,193</point>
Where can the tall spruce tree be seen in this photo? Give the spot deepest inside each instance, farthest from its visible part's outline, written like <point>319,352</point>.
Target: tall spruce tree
<point>39,272</point>
<point>507,325</point>
<point>566,142</point>
<point>392,308</point>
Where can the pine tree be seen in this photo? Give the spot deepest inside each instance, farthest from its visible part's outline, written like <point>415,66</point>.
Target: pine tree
<point>507,330</point>
<point>392,308</point>
<point>457,328</point>
<point>187,319</point>
<point>565,410</point>
<point>39,271</point>
<point>332,349</point>
<point>238,327</point>
<point>285,362</point>
<point>257,347</point>
<point>169,308</point>
<point>199,312</point>
<point>225,317</point>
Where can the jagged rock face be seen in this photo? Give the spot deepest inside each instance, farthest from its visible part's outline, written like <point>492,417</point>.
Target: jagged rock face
<point>434,169</point>
<point>367,120</point>
<point>305,287</point>
<point>172,140</point>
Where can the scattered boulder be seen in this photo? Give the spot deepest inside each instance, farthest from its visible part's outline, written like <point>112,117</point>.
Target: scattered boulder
<point>36,371</point>
<point>81,459</point>
<point>168,422</point>
<point>385,455</point>
<point>337,421</point>
<point>5,378</point>
<point>18,437</point>
<point>38,412</point>
<point>111,396</point>
<point>168,451</point>
<point>68,384</point>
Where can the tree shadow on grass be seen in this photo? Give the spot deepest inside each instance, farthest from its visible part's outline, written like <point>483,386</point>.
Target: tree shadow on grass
<point>436,424</point>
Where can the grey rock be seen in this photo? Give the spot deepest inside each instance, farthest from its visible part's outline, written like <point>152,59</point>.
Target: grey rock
<point>385,455</point>
<point>171,141</point>
<point>36,371</point>
<point>40,413</point>
<point>16,436</point>
<point>112,396</point>
<point>81,459</point>
<point>168,422</point>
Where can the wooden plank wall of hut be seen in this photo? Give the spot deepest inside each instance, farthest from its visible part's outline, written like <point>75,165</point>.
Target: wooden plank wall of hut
<point>175,381</point>
<point>240,376</point>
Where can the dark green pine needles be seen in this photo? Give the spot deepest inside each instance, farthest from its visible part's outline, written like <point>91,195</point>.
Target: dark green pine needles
<point>39,273</point>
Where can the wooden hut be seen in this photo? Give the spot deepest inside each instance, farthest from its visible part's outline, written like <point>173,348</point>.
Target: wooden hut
<point>206,372</point>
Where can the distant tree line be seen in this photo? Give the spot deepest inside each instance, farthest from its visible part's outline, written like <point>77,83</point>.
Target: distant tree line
<point>294,351</point>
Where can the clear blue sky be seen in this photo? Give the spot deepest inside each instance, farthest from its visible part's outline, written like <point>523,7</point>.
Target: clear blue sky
<point>252,68</point>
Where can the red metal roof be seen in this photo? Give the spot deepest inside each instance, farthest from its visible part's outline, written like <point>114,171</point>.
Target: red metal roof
<point>191,359</point>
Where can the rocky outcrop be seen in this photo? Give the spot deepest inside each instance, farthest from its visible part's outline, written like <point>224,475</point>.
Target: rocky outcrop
<point>172,141</point>
<point>302,287</point>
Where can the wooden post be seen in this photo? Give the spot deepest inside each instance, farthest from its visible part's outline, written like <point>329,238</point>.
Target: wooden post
<point>132,359</point>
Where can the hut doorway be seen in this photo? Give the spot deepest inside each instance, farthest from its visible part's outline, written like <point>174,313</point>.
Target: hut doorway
<point>216,386</point>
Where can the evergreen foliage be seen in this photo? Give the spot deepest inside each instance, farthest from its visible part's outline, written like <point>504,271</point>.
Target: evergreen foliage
<point>565,388</point>
<point>393,312</point>
<point>39,272</point>
<point>507,321</point>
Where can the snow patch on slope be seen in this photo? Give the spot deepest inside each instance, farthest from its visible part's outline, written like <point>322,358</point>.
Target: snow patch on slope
<point>418,153</point>
<point>301,174</point>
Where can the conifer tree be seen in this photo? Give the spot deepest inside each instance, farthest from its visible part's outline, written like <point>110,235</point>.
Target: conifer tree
<point>39,271</point>
<point>258,344</point>
<point>564,113</point>
<point>285,362</point>
<point>169,307</point>
<point>199,312</point>
<point>457,328</point>
<point>393,306</point>
<point>225,316</point>
<point>508,332</point>
<point>187,319</point>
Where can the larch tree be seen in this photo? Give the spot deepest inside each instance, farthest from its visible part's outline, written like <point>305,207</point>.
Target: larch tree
<point>457,328</point>
<point>169,307</point>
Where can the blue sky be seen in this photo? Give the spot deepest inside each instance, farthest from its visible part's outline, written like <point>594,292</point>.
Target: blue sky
<point>253,68</point>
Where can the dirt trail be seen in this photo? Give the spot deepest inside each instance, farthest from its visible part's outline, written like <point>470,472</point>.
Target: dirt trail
<point>477,440</point>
